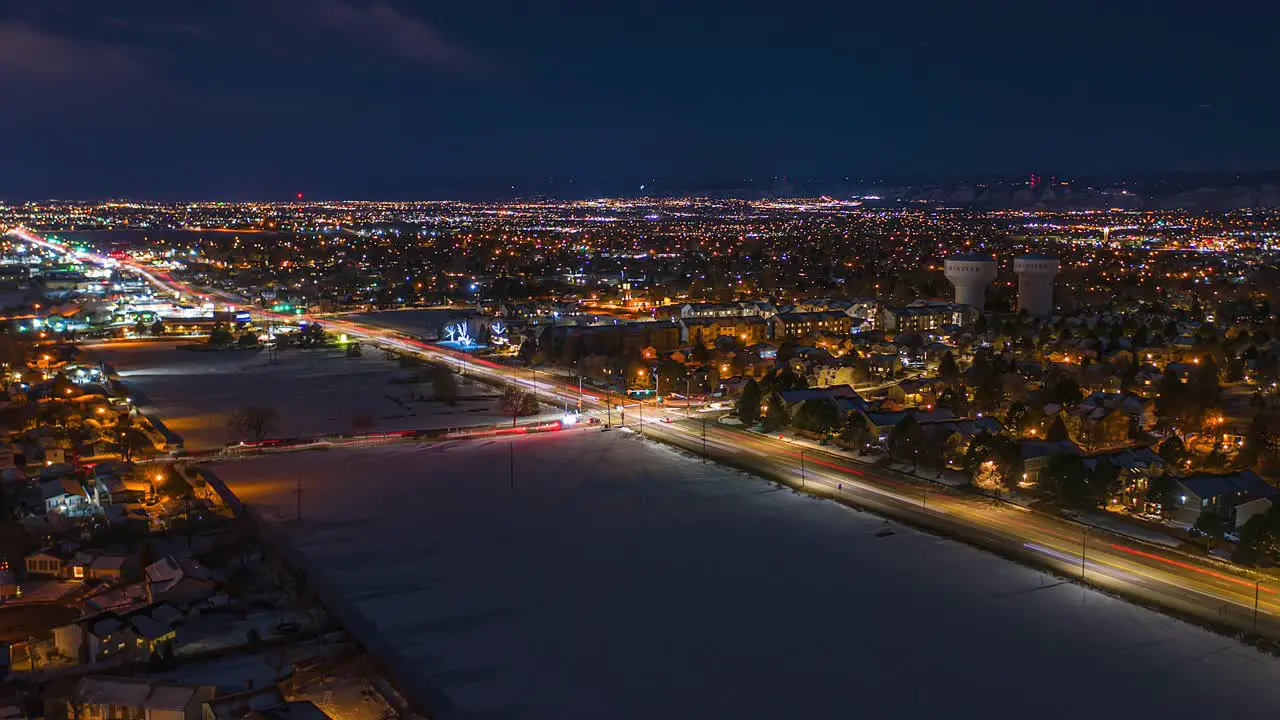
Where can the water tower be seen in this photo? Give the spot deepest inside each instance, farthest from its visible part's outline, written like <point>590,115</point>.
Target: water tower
<point>971,274</point>
<point>1035,283</point>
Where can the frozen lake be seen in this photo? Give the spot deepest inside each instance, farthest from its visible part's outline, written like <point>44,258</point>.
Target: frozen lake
<point>619,579</point>
<point>314,392</point>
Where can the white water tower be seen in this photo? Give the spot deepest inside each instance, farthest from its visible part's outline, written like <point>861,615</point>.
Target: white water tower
<point>971,273</point>
<point>1035,283</point>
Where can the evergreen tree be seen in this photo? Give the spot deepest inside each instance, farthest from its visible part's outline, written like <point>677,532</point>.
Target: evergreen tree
<point>947,368</point>
<point>775,418</point>
<point>748,407</point>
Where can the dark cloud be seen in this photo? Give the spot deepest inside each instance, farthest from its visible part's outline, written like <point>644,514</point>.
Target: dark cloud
<point>30,56</point>
<point>380,28</point>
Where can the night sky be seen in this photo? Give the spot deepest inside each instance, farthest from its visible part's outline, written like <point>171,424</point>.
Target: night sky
<point>261,99</point>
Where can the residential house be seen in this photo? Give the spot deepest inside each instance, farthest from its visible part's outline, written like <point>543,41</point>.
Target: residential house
<point>112,698</point>
<point>1134,470</point>
<point>134,635</point>
<point>1236,497</point>
<point>1097,426</point>
<point>66,496</point>
<point>47,562</point>
<point>1036,455</point>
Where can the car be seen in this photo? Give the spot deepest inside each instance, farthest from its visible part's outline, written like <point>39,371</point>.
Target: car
<point>666,418</point>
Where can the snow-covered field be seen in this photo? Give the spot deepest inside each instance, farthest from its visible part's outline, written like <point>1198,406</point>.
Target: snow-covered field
<point>424,323</point>
<point>619,579</point>
<point>313,392</point>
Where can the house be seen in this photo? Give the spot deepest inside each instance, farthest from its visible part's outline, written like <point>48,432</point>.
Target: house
<point>843,396</point>
<point>111,698</point>
<point>65,496</point>
<point>1236,497</point>
<point>47,562</point>
<point>1099,426</point>
<point>1134,470</point>
<point>136,635</point>
<point>1036,455</point>
<point>109,567</point>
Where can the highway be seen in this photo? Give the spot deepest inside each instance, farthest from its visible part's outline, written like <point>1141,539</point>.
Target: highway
<point>1214,592</point>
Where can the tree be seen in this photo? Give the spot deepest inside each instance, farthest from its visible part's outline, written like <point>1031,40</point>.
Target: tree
<point>855,433</point>
<point>132,442</point>
<point>1067,478</point>
<point>1058,430</point>
<point>1256,440</point>
<point>1212,525</point>
<point>1259,539</point>
<point>248,339</point>
<point>900,437</point>
<point>956,400</point>
<point>817,416</point>
<point>444,384</point>
<point>1016,418</point>
<point>947,368</point>
<point>775,417</point>
<point>253,422</point>
<point>517,403</point>
<point>220,335</point>
<point>139,326</point>
<point>994,462</point>
<point>353,349</point>
<point>1065,391</point>
<point>1205,388</point>
<point>788,379</point>
<point>1172,451</point>
<point>157,327</point>
<point>1104,482</point>
<point>748,407</point>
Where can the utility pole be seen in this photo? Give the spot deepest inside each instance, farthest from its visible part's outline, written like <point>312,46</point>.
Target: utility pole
<point>1084,538</point>
<point>1256,589</point>
<point>688,396</point>
<point>704,439</point>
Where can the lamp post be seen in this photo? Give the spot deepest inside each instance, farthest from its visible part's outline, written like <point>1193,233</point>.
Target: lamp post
<point>1084,539</point>
<point>640,374</point>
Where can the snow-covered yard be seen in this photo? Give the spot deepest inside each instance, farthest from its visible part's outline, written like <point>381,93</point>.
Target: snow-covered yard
<point>613,578</point>
<point>313,392</point>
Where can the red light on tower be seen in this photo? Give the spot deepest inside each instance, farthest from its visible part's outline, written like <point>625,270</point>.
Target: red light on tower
<point>299,196</point>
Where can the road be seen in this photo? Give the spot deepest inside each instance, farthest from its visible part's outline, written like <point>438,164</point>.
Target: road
<point>1214,592</point>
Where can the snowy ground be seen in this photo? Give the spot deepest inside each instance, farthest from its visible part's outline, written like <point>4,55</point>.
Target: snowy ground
<point>314,392</point>
<point>620,579</point>
<point>420,322</point>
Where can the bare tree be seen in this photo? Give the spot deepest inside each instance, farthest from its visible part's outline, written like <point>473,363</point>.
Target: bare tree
<point>517,403</point>
<point>253,422</point>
